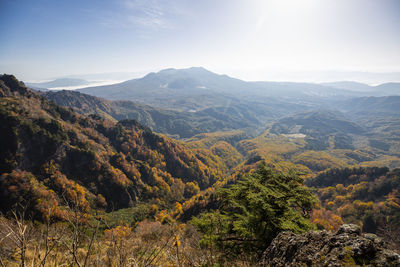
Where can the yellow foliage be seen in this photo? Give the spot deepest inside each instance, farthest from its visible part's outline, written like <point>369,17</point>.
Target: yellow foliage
<point>118,233</point>
<point>178,208</point>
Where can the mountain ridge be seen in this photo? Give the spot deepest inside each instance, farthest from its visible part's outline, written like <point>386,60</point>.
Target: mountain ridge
<point>192,79</point>
<point>201,84</point>
<point>181,124</point>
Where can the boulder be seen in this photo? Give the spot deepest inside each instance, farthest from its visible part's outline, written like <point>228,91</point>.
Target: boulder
<point>346,247</point>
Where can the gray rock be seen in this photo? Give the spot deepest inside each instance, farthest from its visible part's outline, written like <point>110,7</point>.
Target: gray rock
<point>349,229</point>
<point>346,247</point>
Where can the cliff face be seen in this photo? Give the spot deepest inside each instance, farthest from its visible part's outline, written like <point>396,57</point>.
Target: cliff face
<point>347,247</point>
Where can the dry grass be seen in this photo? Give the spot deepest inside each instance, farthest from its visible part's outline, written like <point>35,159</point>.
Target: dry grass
<point>72,243</point>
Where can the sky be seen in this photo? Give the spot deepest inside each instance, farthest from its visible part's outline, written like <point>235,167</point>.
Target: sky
<point>248,39</point>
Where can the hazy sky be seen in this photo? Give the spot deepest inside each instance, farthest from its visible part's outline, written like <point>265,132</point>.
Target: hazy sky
<point>248,39</point>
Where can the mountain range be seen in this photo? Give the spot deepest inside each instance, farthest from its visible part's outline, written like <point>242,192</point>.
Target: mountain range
<point>184,103</point>
<point>196,88</point>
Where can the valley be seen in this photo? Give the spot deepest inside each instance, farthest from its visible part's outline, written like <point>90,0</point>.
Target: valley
<point>138,155</point>
<point>325,126</point>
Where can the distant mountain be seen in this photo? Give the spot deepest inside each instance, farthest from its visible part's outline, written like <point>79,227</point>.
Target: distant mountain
<point>379,115</point>
<point>320,128</point>
<point>197,88</point>
<point>209,102</point>
<point>188,89</point>
<point>228,103</point>
<point>366,106</point>
<point>309,92</point>
<point>62,82</point>
<point>108,76</point>
<point>388,89</point>
<point>385,89</point>
<point>322,121</point>
<point>351,86</point>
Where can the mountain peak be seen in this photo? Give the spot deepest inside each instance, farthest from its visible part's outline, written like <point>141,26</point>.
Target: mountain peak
<point>193,76</point>
<point>191,70</point>
<point>10,80</point>
<point>9,85</point>
<point>198,69</point>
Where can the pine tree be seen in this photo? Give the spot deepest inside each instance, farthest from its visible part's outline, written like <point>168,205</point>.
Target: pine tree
<point>254,210</point>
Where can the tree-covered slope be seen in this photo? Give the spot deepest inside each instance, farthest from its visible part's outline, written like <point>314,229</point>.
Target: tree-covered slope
<point>51,154</point>
<point>369,197</point>
<point>322,139</point>
<point>181,124</point>
<point>318,127</point>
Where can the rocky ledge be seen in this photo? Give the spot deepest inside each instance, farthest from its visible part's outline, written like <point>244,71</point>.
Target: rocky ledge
<point>347,247</point>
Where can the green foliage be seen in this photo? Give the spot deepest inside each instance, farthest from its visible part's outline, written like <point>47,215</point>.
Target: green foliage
<point>255,209</point>
<point>129,216</point>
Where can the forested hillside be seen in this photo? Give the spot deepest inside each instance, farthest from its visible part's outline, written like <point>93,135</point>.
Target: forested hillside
<point>318,140</point>
<point>50,153</point>
<point>369,197</point>
<point>179,124</point>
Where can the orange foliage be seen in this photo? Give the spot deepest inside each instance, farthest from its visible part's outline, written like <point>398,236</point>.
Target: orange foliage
<point>326,218</point>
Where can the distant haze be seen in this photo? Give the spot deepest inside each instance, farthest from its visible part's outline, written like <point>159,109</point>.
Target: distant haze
<point>371,78</point>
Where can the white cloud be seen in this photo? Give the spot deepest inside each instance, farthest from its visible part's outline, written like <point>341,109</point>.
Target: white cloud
<point>149,14</point>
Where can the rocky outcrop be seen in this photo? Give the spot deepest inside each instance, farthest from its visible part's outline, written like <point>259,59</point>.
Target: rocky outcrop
<point>347,247</point>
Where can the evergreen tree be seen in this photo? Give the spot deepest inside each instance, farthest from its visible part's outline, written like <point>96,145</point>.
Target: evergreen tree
<point>254,210</point>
